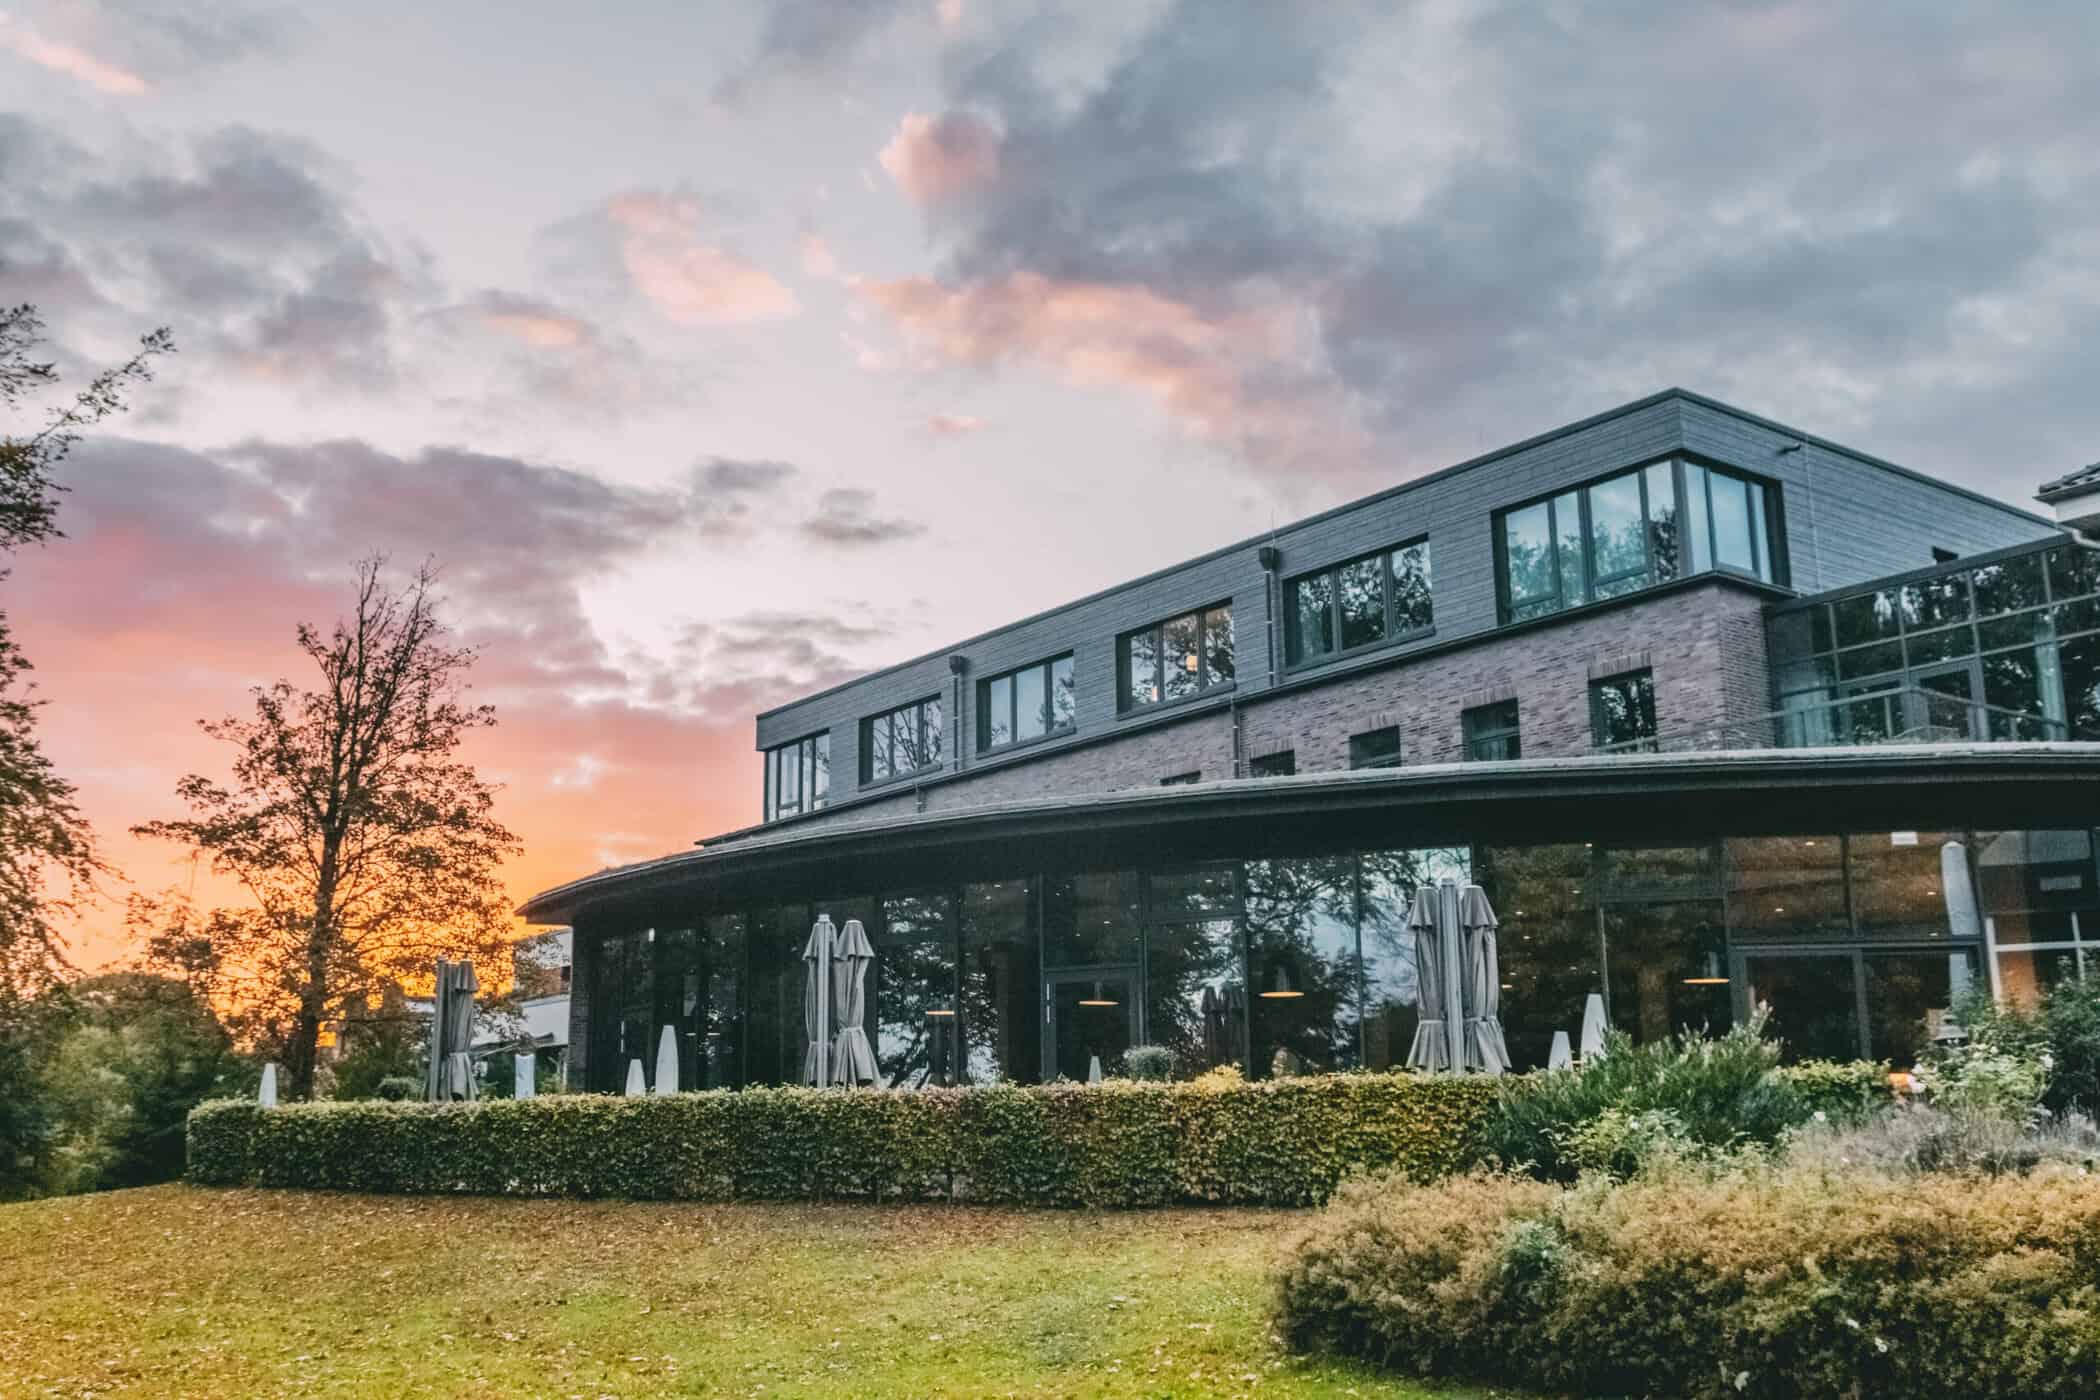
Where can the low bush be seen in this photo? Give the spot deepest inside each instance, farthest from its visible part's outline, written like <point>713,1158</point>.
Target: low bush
<point>1757,1281</point>
<point>1118,1144</point>
<point>1926,1137</point>
<point>1719,1092</point>
<point>1151,1062</point>
<point>1843,1091</point>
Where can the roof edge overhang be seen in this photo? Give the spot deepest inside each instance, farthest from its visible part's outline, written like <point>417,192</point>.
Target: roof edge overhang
<point>2006,785</point>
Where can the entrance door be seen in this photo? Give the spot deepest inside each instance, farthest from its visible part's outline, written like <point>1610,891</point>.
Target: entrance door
<point>1950,700</point>
<point>1089,1014</point>
<point>1814,998</point>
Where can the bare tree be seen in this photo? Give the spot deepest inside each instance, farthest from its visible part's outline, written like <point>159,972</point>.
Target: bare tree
<point>366,845</point>
<point>47,853</point>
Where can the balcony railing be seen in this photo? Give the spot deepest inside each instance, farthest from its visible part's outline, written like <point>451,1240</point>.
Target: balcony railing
<point>1901,715</point>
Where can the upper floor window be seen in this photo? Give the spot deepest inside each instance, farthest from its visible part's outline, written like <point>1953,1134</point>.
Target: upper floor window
<point>906,740</point>
<point>798,776</point>
<point>1379,598</point>
<point>1492,732</point>
<point>1282,764</point>
<point>1622,712</point>
<point>1375,748</point>
<point>1632,531</point>
<point>1032,703</point>
<point>1175,659</point>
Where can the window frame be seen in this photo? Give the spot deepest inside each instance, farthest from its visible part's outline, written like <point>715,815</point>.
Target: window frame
<point>1286,758</point>
<point>813,801</point>
<point>934,755</point>
<point>1643,743</point>
<point>1294,655</point>
<point>1764,509</point>
<point>1399,754</point>
<point>983,707</point>
<point>1206,682</point>
<point>1477,732</point>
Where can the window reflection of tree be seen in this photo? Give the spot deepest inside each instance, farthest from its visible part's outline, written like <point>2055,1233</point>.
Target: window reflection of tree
<point>1183,962</point>
<point>1547,946</point>
<point>914,974</point>
<point>1301,934</point>
<point>1001,986</point>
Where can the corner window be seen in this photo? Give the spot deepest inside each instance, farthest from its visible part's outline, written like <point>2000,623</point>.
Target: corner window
<point>1379,598</point>
<point>798,776</point>
<point>1622,713</point>
<point>1630,531</point>
<point>1491,732</point>
<point>1376,748</point>
<point>1032,703</point>
<point>907,740</point>
<point>1273,765</point>
<point>1176,659</point>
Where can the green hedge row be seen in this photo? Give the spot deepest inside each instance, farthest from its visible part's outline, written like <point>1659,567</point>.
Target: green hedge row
<point>1279,1142</point>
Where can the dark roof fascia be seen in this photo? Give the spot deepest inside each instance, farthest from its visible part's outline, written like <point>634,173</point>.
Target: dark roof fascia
<point>1538,440</point>
<point>1287,682</point>
<point>2076,483</point>
<point>1929,571</point>
<point>1724,775</point>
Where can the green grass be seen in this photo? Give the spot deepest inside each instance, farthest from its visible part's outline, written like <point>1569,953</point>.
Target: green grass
<point>179,1291</point>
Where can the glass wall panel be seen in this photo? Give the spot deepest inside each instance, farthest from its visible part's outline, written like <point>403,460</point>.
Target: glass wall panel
<point>999,711</point>
<point>717,980</point>
<point>911,1012</point>
<point>1194,892</point>
<point>1001,985</point>
<point>1180,646</point>
<point>1064,703</point>
<point>1392,997</point>
<point>1785,888</point>
<point>1141,668</point>
<point>1527,542</point>
<point>1412,606</point>
<point>1218,664</point>
<point>1734,545</point>
<point>1361,592</point>
<point>677,1001</point>
<point>2074,571</point>
<point>1619,557</point>
<point>1548,947</point>
<point>1813,1003</point>
<point>1698,534</point>
<point>1567,525</point>
<point>1662,522</point>
<point>1091,920</point>
<point>773,1040</point>
<point>1302,959</point>
<point>1897,890</point>
<point>2009,585</point>
<point>2037,886</point>
<point>1031,711</point>
<point>1312,615</point>
<point>2026,975</point>
<point>635,998</point>
<point>2079,663</point>
<point>1865,617</point>
<point>1908,995</point>
<point>1196,993</point>
<point>1668,966</point>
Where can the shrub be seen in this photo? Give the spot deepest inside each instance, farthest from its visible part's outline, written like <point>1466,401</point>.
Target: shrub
<point>398,1088</point>
<point>1919,1137</point>
<point>1149,1062</point>
<point>1754,1282</point>
<point>2071,1017</point>
<point>1981,1080</point>
<point>1119,1144</point>
<point>1721,1091</point>
<point>1843,1091</point>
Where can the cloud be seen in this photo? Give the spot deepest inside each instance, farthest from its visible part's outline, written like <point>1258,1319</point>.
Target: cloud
<point>934,157</point>
<point>953,424</point>
<point>846,517</point>
<point>23,39</point>
<point>805,39</point>
<point>817,257</point>
<point>657,241</point>
<point>530,321</point>
<point>728,476</point>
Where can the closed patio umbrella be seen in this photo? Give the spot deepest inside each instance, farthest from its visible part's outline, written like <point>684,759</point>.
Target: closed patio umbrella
<point>637,1081</point>
<point>459,1033</point>
<point>1485,1049</point>
<point>667,1061</point>
<point>816,1002</point>
<point>1593,1028</point>
<point>1432,1047</point>
<point>1213,1008</point>
<point>853,1059</point>
<point>440,1008</point>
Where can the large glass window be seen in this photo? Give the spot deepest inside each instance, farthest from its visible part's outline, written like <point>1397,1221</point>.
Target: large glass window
<point>903,741</point>
<point>1392,995</point>
<point>1786,888</point>
<point>1176,659</point>
<point>1092,920</point>
<point>1302,958</point>
<point>1196,992</point>
<point>1630,531</point>
<point>1001,985</point>
<point>1547,945</point>
<point>1668,967</point>
<point>2041,901</point>
<point>1379,598</point>
<point>913,1017</point>
<point>1898,884</point>
<point>1622,712</point>
<point>798,776</point>
<point>1034,702</point>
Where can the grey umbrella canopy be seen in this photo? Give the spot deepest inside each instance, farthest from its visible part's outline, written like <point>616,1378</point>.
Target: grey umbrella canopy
<point>1485,1049</point>
<point>852,1059</point>
<point>816,1002</point>
<point>1434,970</point>
<point>450,1074</point>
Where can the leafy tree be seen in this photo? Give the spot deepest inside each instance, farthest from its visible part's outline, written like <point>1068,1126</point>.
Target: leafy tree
<point>366,846</point>
<point>47,854</point>
<point>389,1042</point>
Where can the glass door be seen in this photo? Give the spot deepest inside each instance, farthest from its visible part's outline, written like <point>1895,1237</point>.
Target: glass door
<point>1088,1015</point>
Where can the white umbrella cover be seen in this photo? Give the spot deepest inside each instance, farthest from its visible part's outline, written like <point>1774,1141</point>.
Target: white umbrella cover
<point>1485,1048</point>
<point>637,1082</point>
<point>1559,1057</point>
<point>1593,1027</point>
<point>852,1058</point>
<point>667,1061</point>
<point>525,1080</point>
<point>1432,1047</point>
<point>816,1002</point>
<point>268,1097</point>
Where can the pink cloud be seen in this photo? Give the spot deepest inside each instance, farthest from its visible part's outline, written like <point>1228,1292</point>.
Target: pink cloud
<point>542,330</point>
<point>691,281</point>
<point>1250,375</point>
<point>817,258</point>
<point>934,157</point>
<point>69,60</point>
<point>953,424</point>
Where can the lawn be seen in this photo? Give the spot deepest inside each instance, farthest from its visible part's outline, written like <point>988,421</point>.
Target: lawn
<point>179,1291</point>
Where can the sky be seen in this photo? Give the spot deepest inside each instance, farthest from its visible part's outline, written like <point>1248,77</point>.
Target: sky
<point>719,353</point>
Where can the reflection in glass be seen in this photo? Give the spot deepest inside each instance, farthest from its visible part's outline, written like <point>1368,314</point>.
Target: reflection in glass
<point>1786,887</point>
<point>1091,1019</point>
<point>2008,585</point>
<point>912,992</point>
<point>1567,524</point>
<point>1668,968</point>
<point>1662,522</point>
<point>999,711</point>
<point>1091,920</point>
<point>1064,704</point>
<point>2079,665</point>
<point>1547,945</point>
<point>1527,543</point>
<point>1814,1004</point>
<point>1412,607</point>
<point>774,1040</point>
<point>1734,547</point>
<point>1141,668</point>
<point>1179,647</point>
<point>1617,531</point>
<point>1302,957</point>
<point>1623,710</point>
<point>1896,884</point>
<point>1908,994</point>
<point>1193,892</point>
<point>1001,986</point>
<point>1360,589</point>
<point>1196,993</point>
<point>1031,708</point>
<point>716,981</point>
<point>1697,529</point>
<point>2026,975</point>
<point>1217,646</point>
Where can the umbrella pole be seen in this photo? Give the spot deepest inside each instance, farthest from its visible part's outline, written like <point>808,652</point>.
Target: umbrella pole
<point>823,1036</point>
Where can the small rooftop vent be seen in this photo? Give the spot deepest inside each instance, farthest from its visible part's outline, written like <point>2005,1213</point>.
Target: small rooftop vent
<point>2075,498</point>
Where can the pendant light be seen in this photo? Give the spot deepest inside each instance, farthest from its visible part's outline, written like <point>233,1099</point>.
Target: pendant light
<point>1710,974</point>
<point>1097,999</point>
<point>1280,984</point>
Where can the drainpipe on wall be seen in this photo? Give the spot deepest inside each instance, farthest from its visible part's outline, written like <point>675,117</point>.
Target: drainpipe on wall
<point>956,666</point>
<point>1271,560</point>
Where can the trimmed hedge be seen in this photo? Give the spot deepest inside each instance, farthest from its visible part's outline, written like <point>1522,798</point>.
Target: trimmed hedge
<point>1278,1142</point>
<point>1763,1283</point>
